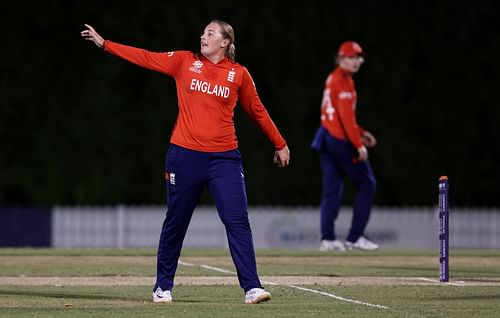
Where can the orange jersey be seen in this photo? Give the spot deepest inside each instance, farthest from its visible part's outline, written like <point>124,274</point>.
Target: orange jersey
<point>338,108</point>
<point>207,94</point>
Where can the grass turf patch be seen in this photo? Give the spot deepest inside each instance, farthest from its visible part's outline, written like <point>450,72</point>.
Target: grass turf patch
<point>227,301</point>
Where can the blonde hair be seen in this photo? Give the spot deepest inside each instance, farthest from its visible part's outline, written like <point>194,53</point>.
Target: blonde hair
<point>228,33</point>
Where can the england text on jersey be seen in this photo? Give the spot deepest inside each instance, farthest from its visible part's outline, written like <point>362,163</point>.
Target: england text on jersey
<point>208,88</point>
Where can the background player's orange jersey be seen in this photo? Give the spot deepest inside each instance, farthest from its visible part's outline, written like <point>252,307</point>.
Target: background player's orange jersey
<point>338,108</point>
<point>207,94</point>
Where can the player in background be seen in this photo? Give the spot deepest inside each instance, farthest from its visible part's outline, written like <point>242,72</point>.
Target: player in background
<point>342,145</point>
<point>203,148</point>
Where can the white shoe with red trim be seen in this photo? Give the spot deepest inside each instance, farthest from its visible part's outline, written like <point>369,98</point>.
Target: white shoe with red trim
<point>256,296</point>
<point>162,296</point>
<point>328,245</point>
<point>363,244</point>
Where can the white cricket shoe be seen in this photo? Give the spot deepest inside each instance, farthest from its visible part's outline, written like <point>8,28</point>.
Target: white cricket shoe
<point>257,295</point>
<point>328,245</point>
<point>162,296</point>
<point>363,244</point>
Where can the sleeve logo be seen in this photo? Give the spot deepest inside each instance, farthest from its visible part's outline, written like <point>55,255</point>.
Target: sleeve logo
<point>345,95</point>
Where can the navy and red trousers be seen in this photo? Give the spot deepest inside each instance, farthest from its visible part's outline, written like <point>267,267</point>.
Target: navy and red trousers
<point>187,173</point>
<point>337,158</point>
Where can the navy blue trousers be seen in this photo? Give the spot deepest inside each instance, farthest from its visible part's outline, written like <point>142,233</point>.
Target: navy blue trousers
<point>336,157</point>
<point>188,173</point>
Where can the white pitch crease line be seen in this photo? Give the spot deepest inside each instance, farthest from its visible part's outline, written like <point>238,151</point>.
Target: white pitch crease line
<point>458,283</point>
<point>218,269</point>
<point>185,263</point>
<point>221,270</point>
<point>339,297</point>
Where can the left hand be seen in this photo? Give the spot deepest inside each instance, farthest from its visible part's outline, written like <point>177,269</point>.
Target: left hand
<point>362,154</point>
<point>368,139</point>
<point>282,157</point>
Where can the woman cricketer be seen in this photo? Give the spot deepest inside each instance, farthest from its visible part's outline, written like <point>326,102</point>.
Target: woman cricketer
<point>203,148</point>
<point>342,145</point>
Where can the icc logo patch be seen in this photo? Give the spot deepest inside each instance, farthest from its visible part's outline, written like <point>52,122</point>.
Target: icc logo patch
<point>197,65</point>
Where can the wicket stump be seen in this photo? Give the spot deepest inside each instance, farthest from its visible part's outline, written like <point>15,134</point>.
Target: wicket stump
<point>443,230</point>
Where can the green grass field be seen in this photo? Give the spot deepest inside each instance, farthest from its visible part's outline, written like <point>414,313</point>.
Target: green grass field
<point>118,283</point>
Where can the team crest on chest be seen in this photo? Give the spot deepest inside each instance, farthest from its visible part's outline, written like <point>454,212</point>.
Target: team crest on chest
<point>230,75</point>
<point>197,65</point>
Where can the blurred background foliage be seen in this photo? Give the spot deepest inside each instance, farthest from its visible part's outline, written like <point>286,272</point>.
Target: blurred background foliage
<point>79,126</point>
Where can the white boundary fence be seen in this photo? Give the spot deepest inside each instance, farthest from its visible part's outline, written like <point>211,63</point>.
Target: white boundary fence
<point>273,227</point>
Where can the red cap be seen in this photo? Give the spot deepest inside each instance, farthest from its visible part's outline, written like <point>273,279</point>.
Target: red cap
<point>350,48</point>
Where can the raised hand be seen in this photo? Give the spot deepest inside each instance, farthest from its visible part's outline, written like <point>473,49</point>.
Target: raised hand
<point>91,34</point>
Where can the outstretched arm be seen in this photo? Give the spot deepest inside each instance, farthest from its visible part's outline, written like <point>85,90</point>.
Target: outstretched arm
<point>91,34</point>
<point>164,62</point>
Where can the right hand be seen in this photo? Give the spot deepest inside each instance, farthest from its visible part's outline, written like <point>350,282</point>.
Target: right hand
<point>91,34</point>
<point>362,153</point>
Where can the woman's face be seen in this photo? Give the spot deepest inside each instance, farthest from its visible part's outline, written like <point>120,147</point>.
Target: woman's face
<point>212,42</point>
<point>351,64</point>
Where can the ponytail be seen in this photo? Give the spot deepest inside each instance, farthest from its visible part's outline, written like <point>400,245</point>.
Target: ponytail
<point>231,52</point>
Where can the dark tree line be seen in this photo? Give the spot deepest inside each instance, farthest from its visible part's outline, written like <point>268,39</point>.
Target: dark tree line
<point>78,126</point>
